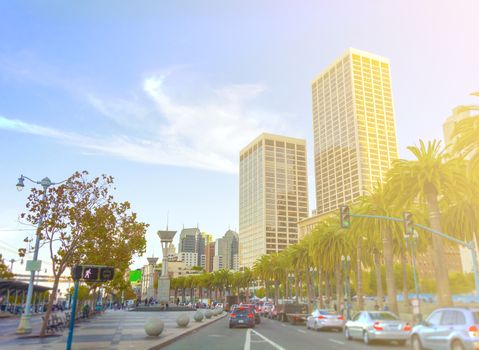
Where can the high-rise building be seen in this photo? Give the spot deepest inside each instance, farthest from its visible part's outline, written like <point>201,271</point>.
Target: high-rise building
<point>209,256</point>
<point>273,195</point>
<point>219,258</point>
<point>353,126</point>
<point>225,251</point>
<point>193,241</point>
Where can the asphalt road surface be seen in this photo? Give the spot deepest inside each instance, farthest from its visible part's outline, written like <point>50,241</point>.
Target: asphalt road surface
<point>270,335</point>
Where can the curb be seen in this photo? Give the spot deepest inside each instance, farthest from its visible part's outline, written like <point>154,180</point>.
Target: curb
<point>175,338</point>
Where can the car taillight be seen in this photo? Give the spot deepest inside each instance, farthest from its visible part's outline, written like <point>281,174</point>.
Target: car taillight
<point>407,327</point>
<point>377,326</point>
<point>473,332</point>
<point>232,315</point>
<point>321,317</point>
<point>250,315</point>
<point>340,318</point>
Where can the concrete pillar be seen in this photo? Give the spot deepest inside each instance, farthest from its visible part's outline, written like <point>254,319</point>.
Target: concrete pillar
<point>15,301</point>
<point>8,299</point>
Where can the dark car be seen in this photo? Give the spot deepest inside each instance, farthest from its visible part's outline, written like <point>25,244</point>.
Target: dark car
<point>255,310</point>
<point>242,317</point>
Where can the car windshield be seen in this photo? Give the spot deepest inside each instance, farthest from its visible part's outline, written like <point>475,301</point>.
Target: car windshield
<point>385,316</point>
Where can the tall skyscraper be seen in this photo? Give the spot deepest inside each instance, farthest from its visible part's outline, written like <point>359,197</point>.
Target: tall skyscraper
<point>192,241</point>
<point>273,195</point>
<point>353,126</point>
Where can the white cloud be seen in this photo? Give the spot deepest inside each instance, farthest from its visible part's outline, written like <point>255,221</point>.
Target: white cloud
<point>158,129</point>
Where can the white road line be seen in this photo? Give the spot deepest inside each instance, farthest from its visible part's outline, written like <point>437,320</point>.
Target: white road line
<point>247,342</point>
<point>283,324</point>
<point>301,331</point>
<point>336,341</point>
<point>269,341</point>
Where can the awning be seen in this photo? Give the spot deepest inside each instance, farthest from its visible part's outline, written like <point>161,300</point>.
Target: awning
<point>18,285</point>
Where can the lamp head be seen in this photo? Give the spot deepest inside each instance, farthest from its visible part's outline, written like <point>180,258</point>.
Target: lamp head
<point>20,184</point>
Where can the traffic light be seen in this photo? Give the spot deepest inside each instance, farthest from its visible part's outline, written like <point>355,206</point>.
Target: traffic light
<point>408,223</point>
<point>344,216</point>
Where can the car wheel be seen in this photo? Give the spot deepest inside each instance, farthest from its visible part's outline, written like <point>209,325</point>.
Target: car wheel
<point>416,343</point>
<point>457,345</point>
<point>346,333</point>
<point>366,339</point>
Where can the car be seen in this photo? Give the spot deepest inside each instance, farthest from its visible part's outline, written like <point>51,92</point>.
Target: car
<point>241,317</point>
<point>219,305</point>
<point>452,328</point>
<point>255,310</point>
<point>371,326</point>
<point>265,309</point>
<point>325,319</point>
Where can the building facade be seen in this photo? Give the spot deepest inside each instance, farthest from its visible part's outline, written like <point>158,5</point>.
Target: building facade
<point>353,126</point>
<point>188,258</point>
<point>209,256</point>
<point>273,195</point>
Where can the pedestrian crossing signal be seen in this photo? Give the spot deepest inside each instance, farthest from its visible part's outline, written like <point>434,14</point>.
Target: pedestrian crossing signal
<point>93,273</point>
<point>344,216</point>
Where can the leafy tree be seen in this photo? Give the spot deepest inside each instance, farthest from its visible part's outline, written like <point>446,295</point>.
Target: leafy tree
<point>82,223</point>
<point>4,272</point>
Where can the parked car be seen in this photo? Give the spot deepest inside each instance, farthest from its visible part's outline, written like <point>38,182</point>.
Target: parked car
<point>325,319</point>
<point>241,317</point>
<point>448,328</point>
<point>377,325</point>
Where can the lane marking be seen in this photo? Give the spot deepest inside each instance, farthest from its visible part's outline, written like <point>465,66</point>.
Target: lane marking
<point>301,331</point>
<point>269,341</point>
<point>336,341</point>
<point>247,342</point>
<point>283,324</point>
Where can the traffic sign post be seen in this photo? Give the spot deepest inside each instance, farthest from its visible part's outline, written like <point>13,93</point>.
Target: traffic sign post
<point>87,273</point>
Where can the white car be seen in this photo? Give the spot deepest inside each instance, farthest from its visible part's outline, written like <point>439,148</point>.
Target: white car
<point>325,319</point>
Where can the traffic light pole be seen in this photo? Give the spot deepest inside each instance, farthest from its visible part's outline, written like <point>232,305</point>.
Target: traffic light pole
<point>72,316</point>
<point>470,245</point>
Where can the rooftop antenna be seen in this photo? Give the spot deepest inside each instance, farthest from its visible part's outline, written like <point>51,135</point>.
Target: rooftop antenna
<point>167,219</point>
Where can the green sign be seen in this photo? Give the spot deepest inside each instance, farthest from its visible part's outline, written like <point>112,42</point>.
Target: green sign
<point>135,276</point>
<point>34,265</point>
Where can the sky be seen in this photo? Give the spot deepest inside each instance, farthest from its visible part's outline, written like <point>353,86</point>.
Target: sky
<point>162,95</point>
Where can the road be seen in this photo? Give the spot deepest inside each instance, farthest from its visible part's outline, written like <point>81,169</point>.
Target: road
<point>269,335</point>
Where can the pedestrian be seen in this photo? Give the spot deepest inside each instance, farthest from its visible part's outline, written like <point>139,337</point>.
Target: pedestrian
<point>341,309</point>
<point>376,307</point>
<point>335,307</point>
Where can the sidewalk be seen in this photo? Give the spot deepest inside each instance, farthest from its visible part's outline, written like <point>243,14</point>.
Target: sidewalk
<point>114,330</point>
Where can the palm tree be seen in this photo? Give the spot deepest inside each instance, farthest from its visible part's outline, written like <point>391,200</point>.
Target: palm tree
<point>336,243</point>
<point>466,133</point>
<point>427,178</point>
<point>378,202</point>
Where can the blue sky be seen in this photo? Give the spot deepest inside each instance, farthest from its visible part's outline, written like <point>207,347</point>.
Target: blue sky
<point>163,94</point>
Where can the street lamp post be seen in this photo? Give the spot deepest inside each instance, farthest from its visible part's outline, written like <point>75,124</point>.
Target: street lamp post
<point>24,325</point>
<point>346,262</point>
